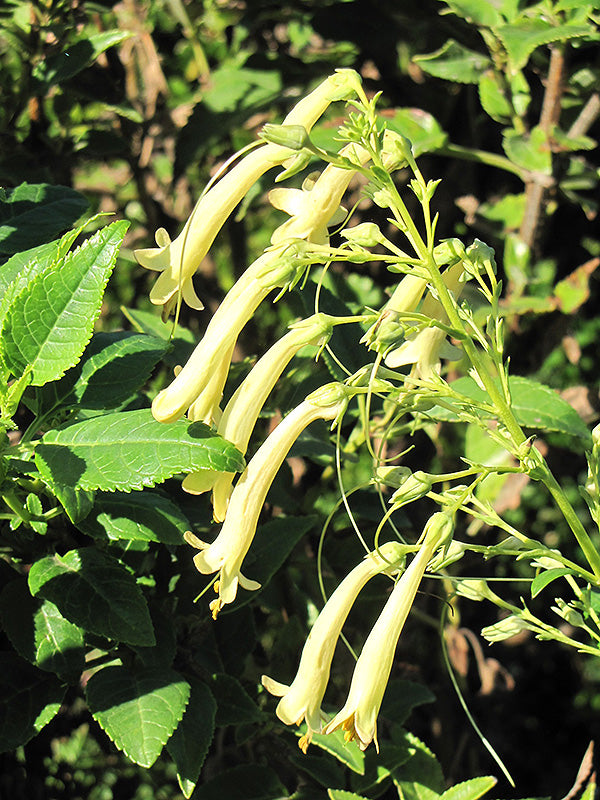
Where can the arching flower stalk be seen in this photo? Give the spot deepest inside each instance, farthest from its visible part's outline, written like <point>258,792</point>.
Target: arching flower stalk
<point>358,717</point>
<point>178,260</point>
<point>226,554</point>
<point>302,699</point>
<point>242,411</point>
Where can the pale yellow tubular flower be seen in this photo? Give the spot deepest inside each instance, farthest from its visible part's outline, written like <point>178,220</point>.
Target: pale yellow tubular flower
<point>241,412</point>
<point>428,346</point>
<point>226,553</point>
<point>358,717</point>
<point>316,206</point>
<point>302,699</point>
<point>178,260</point>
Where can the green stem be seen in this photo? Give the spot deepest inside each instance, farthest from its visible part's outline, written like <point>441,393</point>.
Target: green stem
<point>482,157</point>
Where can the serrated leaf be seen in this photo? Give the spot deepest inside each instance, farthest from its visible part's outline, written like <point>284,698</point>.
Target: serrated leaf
<point>421,777</point>
<point>347,753</point>
<point>546,577</point>
<point>114,366</point>
<point>454,62</point>
<point>470,790</point>
<point>493,99</point>
<point>33,213</point>
<point>530,151</point>
<point>245,782</point>
<point>525,35</point>
<point>479,12</point>
<point>76,502</point>
<point>77,57</point>
<point>29,698</point>
<point>190,742</point>
<point>534,405</point>
<point>138,708</point>
<point>422,128</point>
<point>49,324</point>
<point>129,450</point>
<point>342,794</point>
<point>234,704</point>
<point>144,516</point>
<point>96,592</point>
<point>40,633</point>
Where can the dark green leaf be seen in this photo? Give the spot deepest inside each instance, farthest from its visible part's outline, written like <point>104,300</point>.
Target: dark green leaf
<point>342,794</point>
<point>454,62</point>
<point>182,340</point>
<point>96,592</point>
<point>40,633</point>
<point>49,324</point>
<point>138,709</point>
<point>493,97</point>
<point>419,778</point>
<point>421,128</point>
<point>29,699</point>
<point>530,151</point>
<point>143,516</point>
<point>76,502</point>
<point>401,697</point>
<point>528,33</point>
<point>33,213</point>
<point>470,790</point>
<point>479,12</point>
<point>130,450</point>
<point>547,576</point>
<point>78,56</point>
<point>234,704</point>
<point>245,782</point>
<point>189,744</point>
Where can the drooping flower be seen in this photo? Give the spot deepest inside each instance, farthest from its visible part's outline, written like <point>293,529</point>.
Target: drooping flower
<point>226,554</point>
<point>302,699</point>
<point>358,717</point>
<point>425,348</point>
<point>242,411</point>
<point>178,260</point>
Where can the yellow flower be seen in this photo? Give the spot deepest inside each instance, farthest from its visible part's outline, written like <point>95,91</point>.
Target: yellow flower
<point>358,717</point>
<point>178,260</point>
<point>425,348</point>
<point>226,553</point>
<point>241,412</point>
<point>316,206</point>
<point>302,699</point>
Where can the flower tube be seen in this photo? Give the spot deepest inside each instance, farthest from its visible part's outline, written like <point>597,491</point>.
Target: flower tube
<point>241,412</point>
<point>302,699</point>
<point>226,553</point>
<point>358,717</point>
<point>178,260</point>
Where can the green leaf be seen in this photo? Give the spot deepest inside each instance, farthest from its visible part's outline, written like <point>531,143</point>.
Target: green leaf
<point>380,766</point>
<point>454,62</point>
<point>40,633</point>
<point>33,213</point>
<point>114,366</point>
<point>321,768</point>
<point>244,782</point>
<point>420,127</point>
<point>182,340</point>
<point>478,12</point>
<point>493,98</point>
<point>77,57</point>
<point>347,753</point>
<point>421,777</point>
<point>234,704</point>
<point>534,405</point>
<point>144,516</point>
<point>342,794</point>
<point>129,450</point>
<point>530,151</point>
<point>189,744</point>
<point>546,577</point>
<point>401,697</point>
<point>528,33</point>
<point>470,790</point>
<point>49,324</point>
<point>138,708</point>
<point>29,699</point>
<point>96,592</point>
<point>76,502</point>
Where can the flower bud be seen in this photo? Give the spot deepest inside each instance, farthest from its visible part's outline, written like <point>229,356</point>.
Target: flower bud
<point>415,486</point>
<point>505,629</point>
<point>568,613</point>
<point>474,589</point>
<point>366,234</point>
<point>293,136</point>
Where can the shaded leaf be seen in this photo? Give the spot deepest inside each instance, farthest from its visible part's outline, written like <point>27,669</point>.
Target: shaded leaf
<point>401,697</point>
<point>96,592</point>
<point>529,150</point>
<point>40,633</point>
<point>138,708</point>
<point>29,699</point>
<point>420,127</point>
<point>130,450</point>
<point>189,744</point>
<point>144,516</point>
<point>33,213</point>
<point>77,57</point>
<point>245,782</point>
<point>454,62</point>
<point>234,704</point>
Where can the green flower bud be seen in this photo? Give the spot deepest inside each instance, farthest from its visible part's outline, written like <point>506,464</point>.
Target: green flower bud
<point>449,251</point>
<point>568,613</point>
<point>293,136</point>
<point>367,234</point>
<point>505,629</point>
<point>473,589</point>
<point>415,486</point>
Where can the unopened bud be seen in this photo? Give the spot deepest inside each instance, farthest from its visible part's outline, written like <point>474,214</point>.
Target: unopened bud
<point>413,487</point>
<point>367,234</point>
<point>449,251</point>
<point>505,629</point>
<point>568,613</point>
<point>397,151</point>
<point>480,258</point>
<point>474,589</point>
<point>293,136</point>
